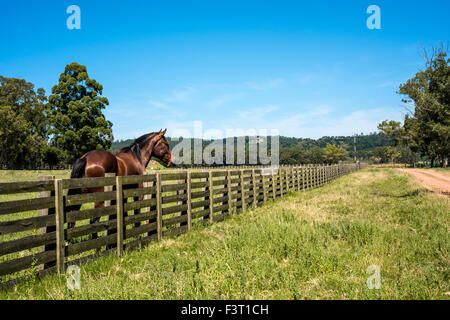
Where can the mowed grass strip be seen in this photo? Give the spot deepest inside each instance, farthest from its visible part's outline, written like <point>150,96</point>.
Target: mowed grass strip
<point>309,245</point>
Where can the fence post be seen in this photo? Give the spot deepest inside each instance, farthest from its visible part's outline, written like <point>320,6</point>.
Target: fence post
<point>158,206</point>
<point>189,200</point>
<point>305,177</point>
<point>108,188</point>
<point>280,175</point>
<point>288,182</point>
<point>107,203</point>
<point>316,176</point>
<point>229,194</point>
<point>46,212</point>
<point>242,191</point>
<point>263,178</point>
<point>255,200</point>
<point>119,215</point>
<point>211,197</point>
<point>182,202</point>
<point>59,217</point>
<point>322,182</point>
<point>274,187</point>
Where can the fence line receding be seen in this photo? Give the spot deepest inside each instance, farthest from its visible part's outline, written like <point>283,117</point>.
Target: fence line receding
<point>34,234</point>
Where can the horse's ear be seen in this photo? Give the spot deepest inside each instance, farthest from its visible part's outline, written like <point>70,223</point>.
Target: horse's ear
<point>161,133</point>
<point>164,132</point>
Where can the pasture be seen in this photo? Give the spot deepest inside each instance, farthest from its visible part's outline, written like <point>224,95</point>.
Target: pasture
<point>313,244</point>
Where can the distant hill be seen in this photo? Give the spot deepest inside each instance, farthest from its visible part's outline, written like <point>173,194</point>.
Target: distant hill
<point>365,144</point>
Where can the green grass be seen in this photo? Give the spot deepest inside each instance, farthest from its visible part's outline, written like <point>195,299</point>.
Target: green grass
<point>309,245</point>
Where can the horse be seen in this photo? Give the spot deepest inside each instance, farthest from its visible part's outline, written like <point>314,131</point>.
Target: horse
<point>129,161</point>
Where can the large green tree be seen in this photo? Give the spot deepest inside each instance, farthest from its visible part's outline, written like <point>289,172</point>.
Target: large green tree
<point>78,123</point>
<point>333,154</point>
<point>23,123</point>
<point>428,128</point>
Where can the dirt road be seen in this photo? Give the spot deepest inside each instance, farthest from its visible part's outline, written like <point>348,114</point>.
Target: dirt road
<point>438,182</point>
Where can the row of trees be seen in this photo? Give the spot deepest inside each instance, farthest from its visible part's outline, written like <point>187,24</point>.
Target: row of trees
<point>330,154</point>
<point>36,130</point>
<point>426,129</point>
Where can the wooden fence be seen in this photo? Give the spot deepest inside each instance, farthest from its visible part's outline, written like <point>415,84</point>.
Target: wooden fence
<point>35,239</point>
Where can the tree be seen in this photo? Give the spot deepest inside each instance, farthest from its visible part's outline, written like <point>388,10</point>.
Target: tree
<point>23,123</point>
<point>293,155</point>
<point>393,154</point>
<point>316,155</point>
<point>78,124</point>
<point>393,129</point>
<point>52,155</point>
<point>333,153</point>
<point>428,128</point>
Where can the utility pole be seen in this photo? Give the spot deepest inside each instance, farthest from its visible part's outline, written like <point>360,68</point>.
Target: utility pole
<point>354,145</point>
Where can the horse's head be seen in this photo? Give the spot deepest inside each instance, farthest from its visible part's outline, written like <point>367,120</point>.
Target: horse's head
<point>161,150</point>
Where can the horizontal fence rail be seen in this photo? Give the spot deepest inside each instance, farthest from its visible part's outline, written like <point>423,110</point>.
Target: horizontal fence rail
<point>37,235</point>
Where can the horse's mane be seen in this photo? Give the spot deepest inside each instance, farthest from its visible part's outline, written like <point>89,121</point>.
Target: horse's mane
<point>136,146</point>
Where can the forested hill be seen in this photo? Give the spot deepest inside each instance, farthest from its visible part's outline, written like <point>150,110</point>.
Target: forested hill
<point>364,143</point>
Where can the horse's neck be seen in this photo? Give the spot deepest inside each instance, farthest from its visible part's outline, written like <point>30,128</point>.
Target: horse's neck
<point>146,152</point>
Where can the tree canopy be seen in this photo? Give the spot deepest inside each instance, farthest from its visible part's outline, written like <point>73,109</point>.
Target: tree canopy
<point>23,122</point>
<point>78,124</point>
<point>428,127</point>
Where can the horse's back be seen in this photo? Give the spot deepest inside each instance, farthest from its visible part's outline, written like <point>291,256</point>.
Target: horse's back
<point>99,162</point>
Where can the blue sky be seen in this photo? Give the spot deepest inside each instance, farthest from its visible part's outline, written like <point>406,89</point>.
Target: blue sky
<point>306,68</point>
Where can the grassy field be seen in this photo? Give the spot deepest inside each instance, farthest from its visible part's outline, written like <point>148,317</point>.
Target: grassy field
<point>310,245</point>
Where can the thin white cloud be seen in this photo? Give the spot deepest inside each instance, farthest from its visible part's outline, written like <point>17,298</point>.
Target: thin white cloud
<point>256,113</point>
<point>158,104</point>
<point>183,95</point>
<point>222,100</point>
<point>267,84</point>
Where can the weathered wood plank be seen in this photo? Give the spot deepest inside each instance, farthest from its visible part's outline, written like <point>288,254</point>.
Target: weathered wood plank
<point>138,192</point>
<point>74,216</point>
<point>174,220</point>
<point>139,204</point>
<point>8,207</point>
<point>73,249</point>
<point>19,264</point>
<point>136,231</point>
<point>173,176</point>
<point>174,209</point>
<point>141,241</point>
<point>27,243</point>
<point>175,232</point>
<point>199,204</point>
<point>26,186</point>
<point>173,187</point>
<point>26,224</point>
<point>77,183</point>
<point>174,198</point>
<point>90,197</point>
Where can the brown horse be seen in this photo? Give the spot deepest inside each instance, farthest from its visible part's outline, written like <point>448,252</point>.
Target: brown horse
<point>128,161</point>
